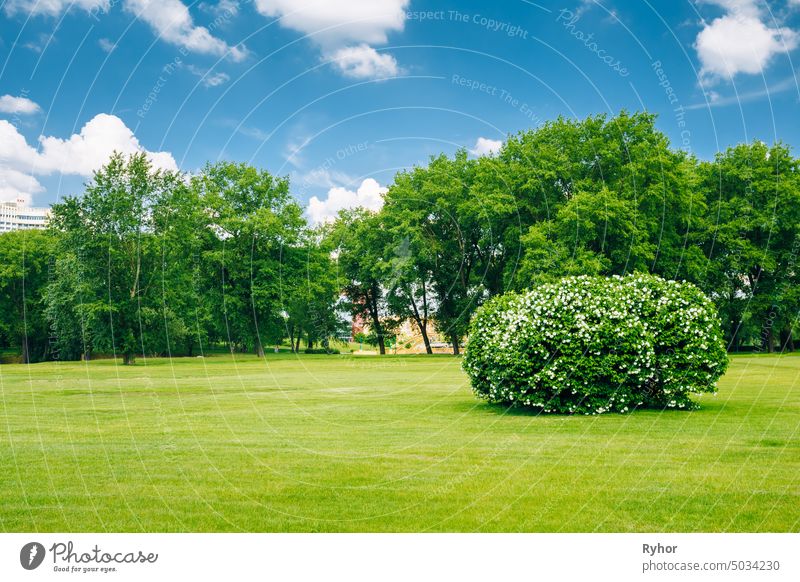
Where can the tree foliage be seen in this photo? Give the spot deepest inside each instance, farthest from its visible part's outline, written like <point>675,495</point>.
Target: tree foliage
<point>24,270</point>
<point>150,262</point>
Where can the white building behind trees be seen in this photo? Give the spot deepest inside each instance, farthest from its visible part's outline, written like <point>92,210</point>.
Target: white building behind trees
<point>19,216</point>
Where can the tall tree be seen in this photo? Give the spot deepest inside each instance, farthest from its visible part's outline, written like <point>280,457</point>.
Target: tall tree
<point>109,230</point>
<point>310,291</point>
<point>182,232</point>
<point>452,230</point>
<point>610,186</point>
<point>408,272</point>
<point>359,245</point>
<point>67,298</point>
<point>24,271</point>
<point>753,241</point>
<point>257,224</point>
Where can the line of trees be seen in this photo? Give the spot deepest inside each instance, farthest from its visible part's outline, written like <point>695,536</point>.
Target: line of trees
<point>150,262</point>
<point>153,262</point>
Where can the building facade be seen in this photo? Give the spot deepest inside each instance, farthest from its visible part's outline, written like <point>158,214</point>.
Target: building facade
<point>19,216</point>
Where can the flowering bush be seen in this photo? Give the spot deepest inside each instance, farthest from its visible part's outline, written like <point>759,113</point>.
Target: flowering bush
<point>597,344</point>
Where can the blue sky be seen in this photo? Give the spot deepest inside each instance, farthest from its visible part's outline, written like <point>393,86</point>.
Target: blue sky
<point>341,95</point>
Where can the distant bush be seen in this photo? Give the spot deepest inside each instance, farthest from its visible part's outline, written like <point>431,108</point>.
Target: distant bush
<point>322,351</point>
<point>597,344</point>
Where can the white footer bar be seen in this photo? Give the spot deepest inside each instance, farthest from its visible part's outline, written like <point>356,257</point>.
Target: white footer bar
<point>406,557</point>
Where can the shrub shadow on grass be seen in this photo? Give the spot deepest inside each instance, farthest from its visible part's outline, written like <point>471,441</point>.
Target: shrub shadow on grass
<point>532,411</point>
<point>514,410</point>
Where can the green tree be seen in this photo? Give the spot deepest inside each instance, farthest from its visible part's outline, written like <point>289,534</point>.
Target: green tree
<point>110,231</point>
<point>24,269</point>
<point>408,268</point>
<point>257,223</point>
<point>753,239</point>
<point>605,225</point>
<point>66,309</point>
<point>451,231</point>
<point>182,231</point>
<point>310,291</point>
<point>546,258</point>
<point>610,186</point>
<point>359,245</point>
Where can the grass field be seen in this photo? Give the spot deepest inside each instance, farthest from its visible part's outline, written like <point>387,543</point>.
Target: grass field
<point>343,443</point>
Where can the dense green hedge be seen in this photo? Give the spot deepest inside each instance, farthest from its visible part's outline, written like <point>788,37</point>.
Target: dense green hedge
<point>328,351</point>
<point>597,344</point>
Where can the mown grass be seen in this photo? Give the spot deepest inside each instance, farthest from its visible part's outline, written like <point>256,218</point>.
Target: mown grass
<point>348,443</point>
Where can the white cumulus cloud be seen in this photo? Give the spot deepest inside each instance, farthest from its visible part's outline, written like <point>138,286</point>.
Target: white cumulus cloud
<point>364,62</point>
<point>369,195</point>
<point>338,23</point>
<point>15,185</point>
<point>344,30</point>
<point>739,41</point>
<point>170,20</point>
<point>84,152</point>
<point>486,147</point>
<point>17,105</point>
<point>80,154</point>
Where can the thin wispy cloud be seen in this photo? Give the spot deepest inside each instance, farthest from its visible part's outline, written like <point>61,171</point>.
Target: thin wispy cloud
<point>748,97</point>
<point>207,77</point>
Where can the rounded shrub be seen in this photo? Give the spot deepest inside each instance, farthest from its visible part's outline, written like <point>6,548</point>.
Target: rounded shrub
<point>597,344</point>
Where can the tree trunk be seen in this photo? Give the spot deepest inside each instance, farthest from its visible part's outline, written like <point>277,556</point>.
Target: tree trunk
<point>26,355</point>
<point>734,343</point>
<point>787,341</point>
<point>259,349</point>
<point>372,306</point>
<point>767,343</point>
<point>297,345</point>
<point>310,343</point>
<point>454,339</point>
<point>422,320</point>
<point>376,322</point>
<point>425,337</point>
<point>128,359</point>
<point>424,331</point>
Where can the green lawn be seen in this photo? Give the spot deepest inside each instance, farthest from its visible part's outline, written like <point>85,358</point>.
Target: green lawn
<point>344,443</point>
